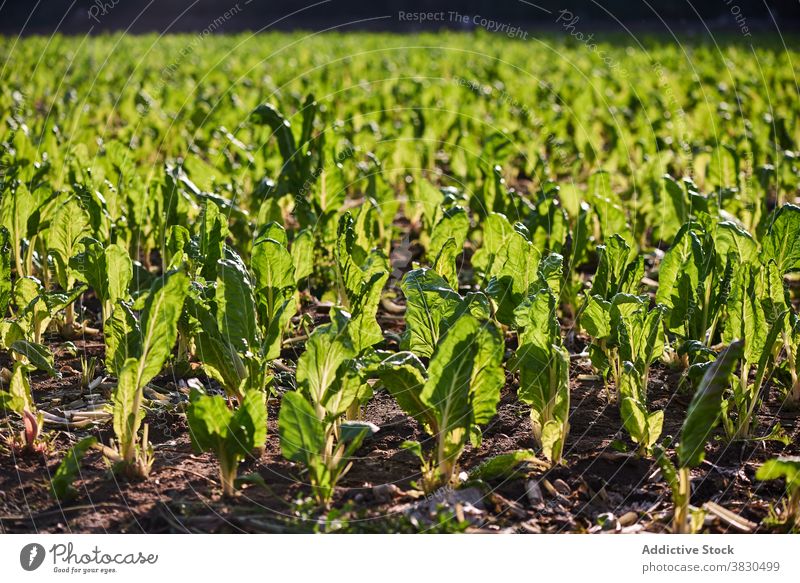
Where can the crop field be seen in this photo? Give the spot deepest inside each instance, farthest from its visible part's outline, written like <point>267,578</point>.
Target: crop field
<point>370,282</point>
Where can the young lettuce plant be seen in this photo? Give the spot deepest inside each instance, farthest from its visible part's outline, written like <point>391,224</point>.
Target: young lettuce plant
<point>107,270</point>
<point>781,244</point>
<point>36,308</point>
<point>222,321</point>
<point>458,393</point>
<point>67,227</point>
<point>302,155</point>
<point>361,274</point>
<point>231,435</point>
<point>543,366</point>
<point>641,342</point>
<point>139,350</point>
<point>787,467</point>
<point>18,399</point>
<point>757,312</point>
<point>703,415</point>
<point>275,289</point>
<point>310,421</point>
<point>695,276</point>
<point>623,330</point>
<point>616,275</point>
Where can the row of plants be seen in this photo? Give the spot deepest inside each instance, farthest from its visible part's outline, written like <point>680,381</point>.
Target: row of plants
<point>201,251</point>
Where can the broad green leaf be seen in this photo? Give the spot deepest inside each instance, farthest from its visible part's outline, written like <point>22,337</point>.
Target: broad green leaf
<point>453,224</point>
<point>236,310</point>
<point>447,390</point>
<point>209,421</point>
<point>445,262</point>
<point>220,361</point>
<point>505,466</point>
<point>537,321</point>
<point>274,231</point>
<point>551,272</point>
<point>61,484</point>
<point>69,226</point>
<point>497,231</point>
<point>344,391</point>
<point>10,332</point>
<point>488,376</point>
<point>248,426</point>
<point>614,271</point>
<point>731,238</point>
<point>274,271</point>
<point>18,398</point>
<point>429,303</point>
<point>679,277</point>
<point>120,272</point>
<point>276,327</point>
<point>746,317</point>
<point>704,410</point>
<point>127,406</point>
<point>364,329</point>
<point>430,199</point>
<point>673,209</point>
<point>515,272</point>
<point>303,255</point>
<point>91,267</point>
<point>159,324</point>
<point>37,354</point>
<point>16,207</point>
<point>213,227</point>
<point>782,241</point>
<point>326,350</point>
<point>787,467</point>
<point>122,338</point>
<point>302,434</point>
<point>596,317</point>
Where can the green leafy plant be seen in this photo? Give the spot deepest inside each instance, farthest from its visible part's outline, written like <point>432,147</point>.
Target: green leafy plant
<point>788,468</point>
<point>231,435</point>
<point>624,331</point>
<point>543,366</point>
<point>18,398</point>
<point>108,270</point>
<point>781,249</point>
<point>362,272</point>
<point>455,396</point>
<point>140,349</point>
<point>703,415</point>
<point>310,421</point>
<point>509,264</point>
<point>61,484</point>
<point>757,312</point>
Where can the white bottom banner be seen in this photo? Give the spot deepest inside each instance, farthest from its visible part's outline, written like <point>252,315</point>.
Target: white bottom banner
<point>390,558</point>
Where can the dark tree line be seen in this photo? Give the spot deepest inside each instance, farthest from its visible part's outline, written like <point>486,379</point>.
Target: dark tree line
<point>77,16</point>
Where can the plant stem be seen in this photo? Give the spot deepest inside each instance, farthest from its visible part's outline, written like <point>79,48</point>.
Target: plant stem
<point>680,523</point>
<point>227,476</point>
